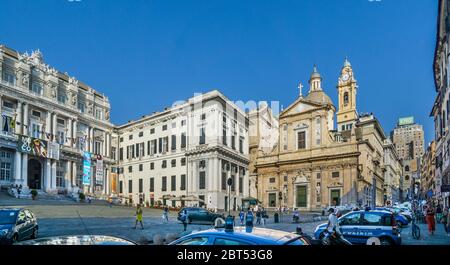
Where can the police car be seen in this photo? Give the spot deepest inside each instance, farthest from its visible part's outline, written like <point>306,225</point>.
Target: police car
<point>360,226</point>
<point>241,235</point>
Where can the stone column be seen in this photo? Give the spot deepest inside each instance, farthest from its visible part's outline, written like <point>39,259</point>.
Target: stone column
<point>91,141</point>
<point>69,132</point>
<point>54,126</point>
<point>26,129</point>
<point>1,101</point>
<point>74,134</point>
<point>24,177</point>
<point>210,177</point>
<point>19,120</point>
<point>108,145</point>
<point>246,183</point>
<point>74,174</point>
<point>18,167</point>
<point>104,152</point>
<point>218,175</point>
<point>53,182</point>
<point>106,182</point>
<point>48,176</point>
<point>69,176</point>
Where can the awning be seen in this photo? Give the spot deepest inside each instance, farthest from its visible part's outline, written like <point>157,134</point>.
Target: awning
<point>167,197</point>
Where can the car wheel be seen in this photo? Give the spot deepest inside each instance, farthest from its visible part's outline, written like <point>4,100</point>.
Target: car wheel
<point>35,233</point>
<point>385,242</point>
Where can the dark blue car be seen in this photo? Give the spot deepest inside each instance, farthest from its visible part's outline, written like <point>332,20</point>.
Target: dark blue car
<point>17,225</point>
<point>241,236</point>
<point>358,226</point>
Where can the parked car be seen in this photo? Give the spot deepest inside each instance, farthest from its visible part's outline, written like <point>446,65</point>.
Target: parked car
<point>78,240</point>
<point>358,226</point>
<point>17,224</point>
<point>400,219</point>
<point>197,214</point>
<point>241,236</point>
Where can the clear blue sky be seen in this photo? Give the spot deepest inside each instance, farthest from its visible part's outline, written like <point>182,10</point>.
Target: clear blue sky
<point>146,54</point>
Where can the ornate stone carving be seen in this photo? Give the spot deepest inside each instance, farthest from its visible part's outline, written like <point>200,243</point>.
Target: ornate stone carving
<point>25,79</point>
<point>90,108</point>
<point>107,115</point>
<point>73,81</point>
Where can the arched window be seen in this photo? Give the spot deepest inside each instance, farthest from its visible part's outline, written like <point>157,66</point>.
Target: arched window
<point>345,98</point>
<point>406,168</point>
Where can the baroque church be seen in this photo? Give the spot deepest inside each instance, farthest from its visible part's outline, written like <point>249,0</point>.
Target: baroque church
<point>311,164</point>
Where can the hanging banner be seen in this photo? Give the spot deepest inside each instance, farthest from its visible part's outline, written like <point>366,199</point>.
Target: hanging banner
<point>32,146</point>
<point>53,150</point>
<point>99,170</point>
<point>86,168</point>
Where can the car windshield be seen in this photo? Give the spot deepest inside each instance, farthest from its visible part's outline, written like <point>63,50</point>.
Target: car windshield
<point>7,217</point>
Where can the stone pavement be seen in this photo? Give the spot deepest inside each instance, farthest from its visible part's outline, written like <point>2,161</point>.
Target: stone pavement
<point>439,237</point>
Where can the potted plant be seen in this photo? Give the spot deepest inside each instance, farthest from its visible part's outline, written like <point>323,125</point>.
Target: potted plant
<point>34,194</point>
<point>82,197</point>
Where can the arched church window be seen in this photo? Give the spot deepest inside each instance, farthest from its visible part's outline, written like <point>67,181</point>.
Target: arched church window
<point>345,98</point>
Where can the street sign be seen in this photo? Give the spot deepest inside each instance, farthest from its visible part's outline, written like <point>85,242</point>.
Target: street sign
<point>86,168</point>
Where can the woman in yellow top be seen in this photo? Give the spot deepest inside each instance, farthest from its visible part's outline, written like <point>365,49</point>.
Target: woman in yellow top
<point>139,216</point>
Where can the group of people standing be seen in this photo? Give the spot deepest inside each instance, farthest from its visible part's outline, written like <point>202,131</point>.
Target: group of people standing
<point>248,217</point>
<point>438,214</point>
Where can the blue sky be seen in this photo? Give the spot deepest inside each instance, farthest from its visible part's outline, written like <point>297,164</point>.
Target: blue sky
<point>147,54</point>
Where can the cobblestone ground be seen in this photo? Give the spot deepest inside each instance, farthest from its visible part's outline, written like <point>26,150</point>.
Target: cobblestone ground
<point>70,218</point>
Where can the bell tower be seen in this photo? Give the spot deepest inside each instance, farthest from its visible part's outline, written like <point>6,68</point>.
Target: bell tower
<point>347,114</point>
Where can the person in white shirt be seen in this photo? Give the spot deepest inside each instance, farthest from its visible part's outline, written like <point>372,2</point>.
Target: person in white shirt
<point>333,222</point>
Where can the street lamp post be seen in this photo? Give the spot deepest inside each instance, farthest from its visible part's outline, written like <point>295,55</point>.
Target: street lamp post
<point>229,183</point>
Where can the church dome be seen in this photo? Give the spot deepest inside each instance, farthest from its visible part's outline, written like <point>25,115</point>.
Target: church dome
<point>318,96</point>
<point>315,73</point>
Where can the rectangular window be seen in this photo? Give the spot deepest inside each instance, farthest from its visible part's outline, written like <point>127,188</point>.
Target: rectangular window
<point>141,167</point>
<point>152,184</point>
<point>301,140</point>
<point>224,137</point>
<point>141,134</point>
<point>164,128</point>
<point>202,180</point>
<point>128,152</point>
<point>233,184</point>
<point>183,140</point>
<point>130,186</point>
<point>141,186</point>
<point>113,153</point>
<point>121,139</point>
<point>152,166</point>
<point>173,163</point>
<point>5,171</point>
<point>141,149</point>
<point>152,130</point>
<point>81,106</point>
<point>183,182</point>
<point>174,125</point>
<point>153,147</point>
<point>130,137</point>
<point>160,145</point>
<point>132,151</point>
<point>202,136</point>
<point>148,148</point>
<point>183,161</point>
<point>335,175</point>
<point>241,185</point>
<point>224,181</point>
<point>241,145</point>
<point>164,164</point>
<point>183,122</point>
<point>272,180</point>
<point>319,175</point>
<point>130,169</point>
<point>164,184</point>
<point>37,88</point>
<point>174,142</point>
<point>120,186</point>
<point>166,144</point>
<point>173,183</point>
<point>137,151</point>
<point>203,117</point>
<point>233,142</point>
<point>9,77</point>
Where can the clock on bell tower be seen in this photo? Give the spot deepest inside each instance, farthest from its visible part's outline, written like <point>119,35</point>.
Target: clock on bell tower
<point>347,114</point>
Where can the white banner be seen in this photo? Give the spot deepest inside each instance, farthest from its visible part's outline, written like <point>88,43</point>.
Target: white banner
<point>99,171</point>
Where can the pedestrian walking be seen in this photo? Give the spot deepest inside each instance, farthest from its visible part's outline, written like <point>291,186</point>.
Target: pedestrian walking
<point>242,216</point>
<point>438,213</point>
<point>258,217</point>
<point>183,219</point>
<point>444,219</point>
<point>139,217</point>
<point>110,200</point>
<point>431,222</point>
<point>165,215</point>
<point>264,215</point>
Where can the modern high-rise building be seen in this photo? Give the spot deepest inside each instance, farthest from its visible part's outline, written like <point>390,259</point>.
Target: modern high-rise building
<point>408,138</point>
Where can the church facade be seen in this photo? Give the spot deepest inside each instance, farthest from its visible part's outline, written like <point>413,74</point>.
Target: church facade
<point>313,165</point>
